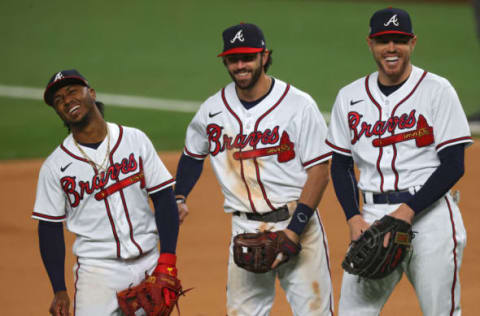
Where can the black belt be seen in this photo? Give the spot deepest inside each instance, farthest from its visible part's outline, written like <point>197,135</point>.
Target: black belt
<point>278,215</point>
<point>391,197</point>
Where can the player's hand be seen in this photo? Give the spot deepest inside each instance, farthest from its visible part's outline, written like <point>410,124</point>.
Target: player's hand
<point>293,237</point>
<point>60,305</point>
<point>182,211</point>
<point>357,226</point>
<point>403,212</point>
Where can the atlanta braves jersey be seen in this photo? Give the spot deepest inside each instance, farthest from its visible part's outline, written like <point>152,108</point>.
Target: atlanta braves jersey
<point>259,155</point>
<point>394,139</point>
<point>108,209</point>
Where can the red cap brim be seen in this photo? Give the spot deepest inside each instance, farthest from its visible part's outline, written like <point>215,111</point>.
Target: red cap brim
<point>391,32</point>
<point>241,50</point>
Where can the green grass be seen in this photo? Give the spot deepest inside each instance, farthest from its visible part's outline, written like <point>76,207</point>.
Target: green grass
<point>167,49</point>
<point>38,137</point>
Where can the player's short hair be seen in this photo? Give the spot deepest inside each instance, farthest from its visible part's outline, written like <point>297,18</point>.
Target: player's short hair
<point>269,61</point>
<point>101,107</point>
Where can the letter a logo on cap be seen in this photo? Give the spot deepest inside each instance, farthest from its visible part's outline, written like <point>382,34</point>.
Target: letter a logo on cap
<point>58,76</point>
<point>238,36</point>
<point>393,20</point>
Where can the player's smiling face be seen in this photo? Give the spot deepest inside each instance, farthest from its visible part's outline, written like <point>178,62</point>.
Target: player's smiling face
<point>392,54</point>
<point>73,103</point>
<point>245,69</point>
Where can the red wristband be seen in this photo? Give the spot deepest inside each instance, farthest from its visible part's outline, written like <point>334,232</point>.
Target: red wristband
<point>166,264</point>
<point>167,259</point>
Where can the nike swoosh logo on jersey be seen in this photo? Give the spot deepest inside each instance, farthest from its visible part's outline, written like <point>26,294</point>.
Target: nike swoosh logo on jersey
<point>62,169</point>
<point>355,102</point>
<point>210,115</point>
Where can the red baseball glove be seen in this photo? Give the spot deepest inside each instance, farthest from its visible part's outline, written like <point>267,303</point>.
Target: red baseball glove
<point>157,294</point>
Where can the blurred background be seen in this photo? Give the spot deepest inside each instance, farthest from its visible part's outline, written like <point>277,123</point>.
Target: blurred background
<point>154,62</point>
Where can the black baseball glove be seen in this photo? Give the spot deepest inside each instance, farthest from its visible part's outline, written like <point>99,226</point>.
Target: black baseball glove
<point>367,257</point>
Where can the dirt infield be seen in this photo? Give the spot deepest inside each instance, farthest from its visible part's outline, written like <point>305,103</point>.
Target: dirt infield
<point>202,247</point>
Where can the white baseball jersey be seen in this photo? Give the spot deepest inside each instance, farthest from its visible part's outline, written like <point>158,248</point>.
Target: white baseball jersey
<point>394,139</point>
<point>108,211</point>
<point>259,155</point>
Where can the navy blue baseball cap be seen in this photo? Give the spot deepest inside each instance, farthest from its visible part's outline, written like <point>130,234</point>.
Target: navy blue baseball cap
<point>390,21</point>
<point>60,80</point>
<point>244,38</point>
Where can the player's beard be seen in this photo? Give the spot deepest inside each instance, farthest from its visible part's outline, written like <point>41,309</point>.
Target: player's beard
<point>246,85</point>
<point>81,123</point>
<point>395,76</point>
<point>85,120</point>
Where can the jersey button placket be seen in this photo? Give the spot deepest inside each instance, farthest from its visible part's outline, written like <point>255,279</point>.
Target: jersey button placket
<point>386,109</point>
<point>248,122</point>
<point>120,220</point>
<point>385,117</point>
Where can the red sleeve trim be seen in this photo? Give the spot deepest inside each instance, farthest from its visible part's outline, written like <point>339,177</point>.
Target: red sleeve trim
<point>460,139</point>
<point>322,157</point>
<point>161,185</point>
<point>337,148</point>
<point>49,216</point>
<point>189,153</point>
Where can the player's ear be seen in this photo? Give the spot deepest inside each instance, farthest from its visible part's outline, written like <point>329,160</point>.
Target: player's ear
<point>265,55</point>
<point>92,93</point>
<point>413,42</point>
<point>369,43</point>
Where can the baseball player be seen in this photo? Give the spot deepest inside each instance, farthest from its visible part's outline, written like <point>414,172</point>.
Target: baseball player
<point>98,181</point>
<point>265,139</point>
<point>406,131</point>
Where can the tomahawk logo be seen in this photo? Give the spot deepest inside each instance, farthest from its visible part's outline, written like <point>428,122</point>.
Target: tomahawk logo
<point>238,36</point>
<point>393,20</point>
<point>58,76</point>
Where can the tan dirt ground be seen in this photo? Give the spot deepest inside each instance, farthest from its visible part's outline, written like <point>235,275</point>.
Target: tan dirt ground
<point>202,246</point>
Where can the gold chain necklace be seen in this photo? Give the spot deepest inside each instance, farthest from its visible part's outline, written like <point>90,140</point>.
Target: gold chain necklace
<point>95,165</point>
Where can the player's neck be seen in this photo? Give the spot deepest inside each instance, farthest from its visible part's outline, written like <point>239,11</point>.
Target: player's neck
<point>93,132</point>
<point>257,91</point>
<point>390,80</point>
